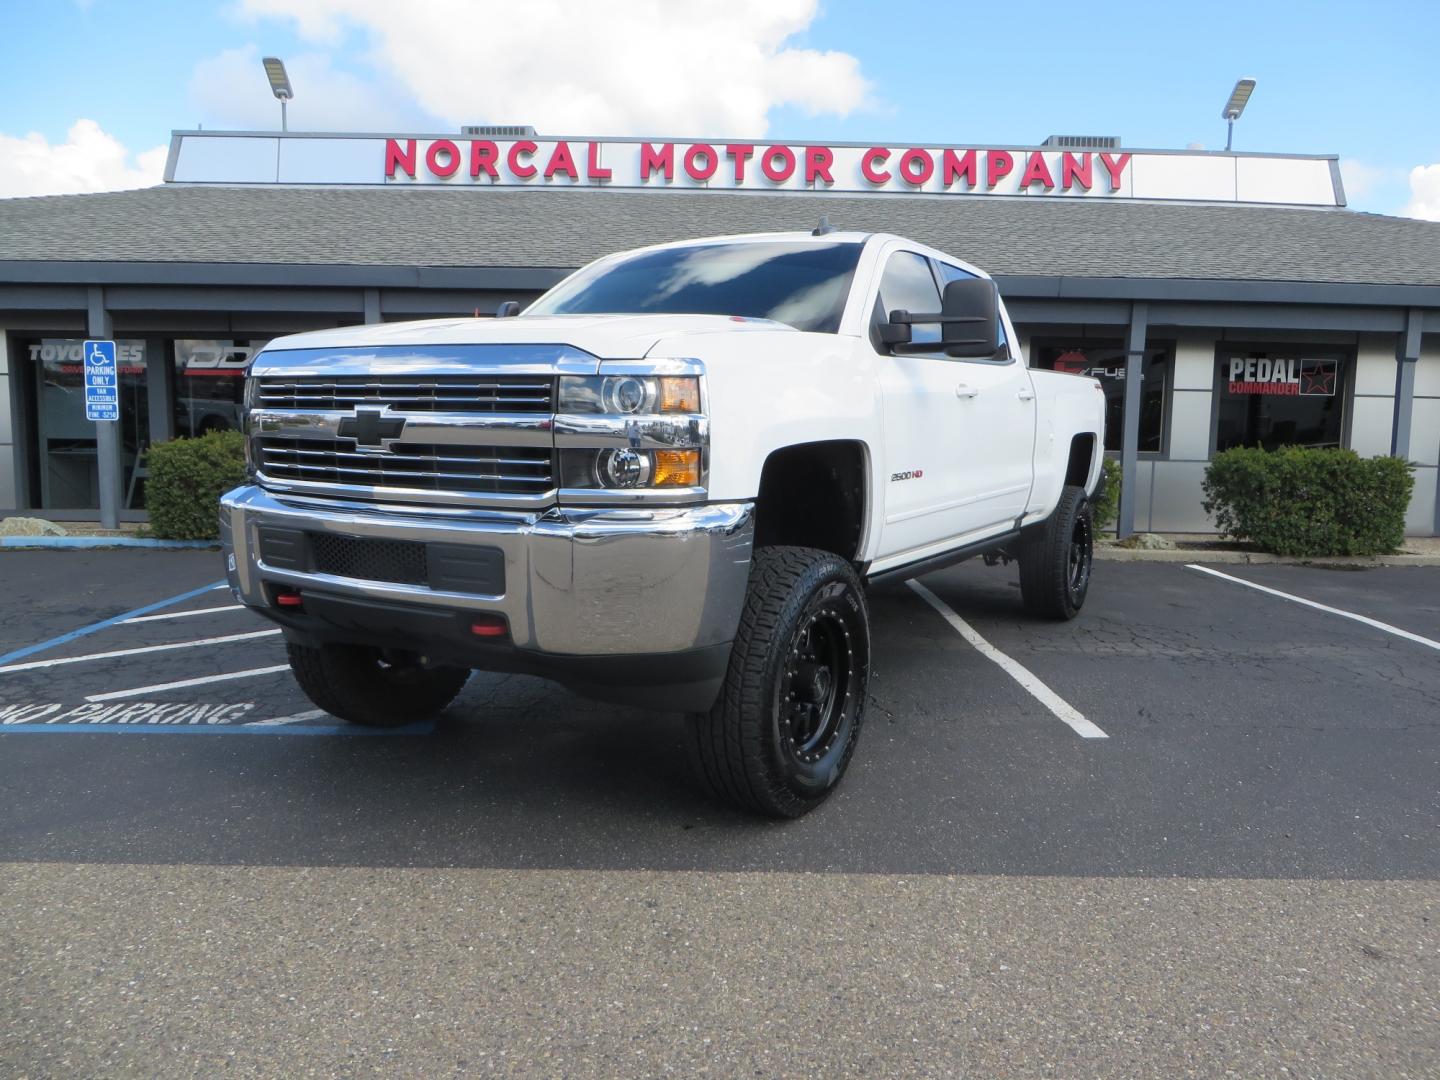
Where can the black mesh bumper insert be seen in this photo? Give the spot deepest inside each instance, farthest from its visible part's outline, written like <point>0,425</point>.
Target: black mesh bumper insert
<point>401,561</point>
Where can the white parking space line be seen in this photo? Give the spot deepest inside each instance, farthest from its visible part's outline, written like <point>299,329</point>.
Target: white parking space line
<point>137,691</point>
<point>183,614</point>
<point>298,718</point>
<point>1376,623</point>
<point>1017,671</point>
<point>197,643</point>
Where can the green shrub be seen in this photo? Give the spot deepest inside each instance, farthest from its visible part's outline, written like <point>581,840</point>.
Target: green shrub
<point>187,478</point>
<point>1107,507</point>
<point>1297,501</point>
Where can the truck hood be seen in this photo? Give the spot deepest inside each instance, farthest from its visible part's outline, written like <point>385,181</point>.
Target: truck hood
<point>608,337</point>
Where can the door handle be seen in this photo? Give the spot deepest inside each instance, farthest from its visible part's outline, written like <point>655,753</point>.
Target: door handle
<point>964,390</point>
<point>1026,394</point>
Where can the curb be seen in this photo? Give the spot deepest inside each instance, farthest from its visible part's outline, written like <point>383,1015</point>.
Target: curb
<point>23,542</point>
<point>1258,558</point>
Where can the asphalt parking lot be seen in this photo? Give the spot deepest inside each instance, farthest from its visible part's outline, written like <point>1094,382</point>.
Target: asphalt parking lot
<point>1241,873</point>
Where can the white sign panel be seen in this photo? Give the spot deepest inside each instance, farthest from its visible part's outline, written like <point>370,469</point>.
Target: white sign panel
<point>454,161</point>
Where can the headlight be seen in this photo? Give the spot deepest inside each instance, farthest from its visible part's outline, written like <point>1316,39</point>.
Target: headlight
<point>624,468</point>
<point>629,395</point>
<point>632,436</point>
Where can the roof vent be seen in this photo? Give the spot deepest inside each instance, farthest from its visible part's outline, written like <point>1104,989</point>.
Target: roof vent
<point>498,131</point>
<point>1083,142</point>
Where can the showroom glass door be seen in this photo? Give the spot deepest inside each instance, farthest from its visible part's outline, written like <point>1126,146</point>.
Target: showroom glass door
<point>67,458</point>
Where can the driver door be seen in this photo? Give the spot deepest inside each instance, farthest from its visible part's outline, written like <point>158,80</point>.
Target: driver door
<point>959,434</point>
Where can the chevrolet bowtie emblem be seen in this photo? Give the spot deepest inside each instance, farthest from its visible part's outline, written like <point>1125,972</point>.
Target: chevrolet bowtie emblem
<point>372,429</point>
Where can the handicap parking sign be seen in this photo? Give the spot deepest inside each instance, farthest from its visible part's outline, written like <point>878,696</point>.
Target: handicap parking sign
<point>102,381</point>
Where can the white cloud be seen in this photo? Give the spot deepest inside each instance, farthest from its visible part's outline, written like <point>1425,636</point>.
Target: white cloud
<point>657,67</point>
<point>229,90</point>
<point>88,160</point>
<point>1424,193</point>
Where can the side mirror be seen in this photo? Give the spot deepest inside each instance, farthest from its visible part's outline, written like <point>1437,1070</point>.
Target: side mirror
<point>508,310</point>
<point>896,331</point>
<point>969,322</point>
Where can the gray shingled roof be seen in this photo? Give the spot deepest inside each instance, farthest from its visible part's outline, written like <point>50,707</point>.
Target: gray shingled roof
<point>484,227</point>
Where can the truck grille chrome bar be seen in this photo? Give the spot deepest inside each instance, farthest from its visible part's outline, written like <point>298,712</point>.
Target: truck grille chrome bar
<point>438,393</point>
<point>416,467</point>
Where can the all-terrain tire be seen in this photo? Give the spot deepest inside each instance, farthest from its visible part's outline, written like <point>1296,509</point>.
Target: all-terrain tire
<point>1056,559</point>
<point>365,686</point>
<point>784,727</point>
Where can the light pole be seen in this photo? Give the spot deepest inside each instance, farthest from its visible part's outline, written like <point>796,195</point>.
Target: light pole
<point>279,85</point>
<point>1233,108</point>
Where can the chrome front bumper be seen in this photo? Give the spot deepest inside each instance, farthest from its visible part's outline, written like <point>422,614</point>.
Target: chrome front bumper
<point>583,584</point>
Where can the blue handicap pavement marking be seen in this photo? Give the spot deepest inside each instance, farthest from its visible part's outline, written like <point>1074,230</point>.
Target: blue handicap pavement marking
<point>31,650</point>
<point>195,726</point>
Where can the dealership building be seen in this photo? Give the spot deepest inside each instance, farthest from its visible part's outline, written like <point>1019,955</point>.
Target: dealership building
<point>1222,299</point>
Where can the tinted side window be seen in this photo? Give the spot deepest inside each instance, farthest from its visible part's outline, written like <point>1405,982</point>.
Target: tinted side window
<point>950,273</point>
<point>908,285</point>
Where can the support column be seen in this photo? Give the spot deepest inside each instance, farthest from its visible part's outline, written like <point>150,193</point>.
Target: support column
<point>98,326</point>
<point>1130,443</point>
<point>372,306</point>
<point>1407,355</point>
<point>159,389</point>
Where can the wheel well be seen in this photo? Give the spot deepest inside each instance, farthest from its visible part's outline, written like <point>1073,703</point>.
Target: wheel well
<point>813,495</point>
<point>1082,456</point>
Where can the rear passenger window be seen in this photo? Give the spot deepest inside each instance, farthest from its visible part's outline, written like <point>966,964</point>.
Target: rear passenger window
<point>908,285</point>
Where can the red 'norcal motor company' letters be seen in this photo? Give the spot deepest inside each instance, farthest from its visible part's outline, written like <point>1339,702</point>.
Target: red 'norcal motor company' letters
<point>749,165</point>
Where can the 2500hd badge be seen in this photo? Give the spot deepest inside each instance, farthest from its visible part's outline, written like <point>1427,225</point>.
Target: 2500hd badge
<point>662,484</point>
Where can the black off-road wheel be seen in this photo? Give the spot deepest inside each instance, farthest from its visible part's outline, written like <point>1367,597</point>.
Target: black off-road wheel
<point>1056,559</point>
<point>373,687</point>
<point>782,732</point>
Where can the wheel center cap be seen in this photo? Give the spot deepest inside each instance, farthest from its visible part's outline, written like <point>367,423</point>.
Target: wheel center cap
<point>812,682</point>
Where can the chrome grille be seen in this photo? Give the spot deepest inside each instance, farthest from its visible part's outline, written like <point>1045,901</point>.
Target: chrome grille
<point>478,470</point>
<point>433,393</point>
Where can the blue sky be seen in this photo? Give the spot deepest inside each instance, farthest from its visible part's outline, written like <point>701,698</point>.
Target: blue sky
<point>1363,82</point>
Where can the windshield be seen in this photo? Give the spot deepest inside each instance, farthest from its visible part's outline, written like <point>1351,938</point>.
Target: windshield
<point>803,285</point>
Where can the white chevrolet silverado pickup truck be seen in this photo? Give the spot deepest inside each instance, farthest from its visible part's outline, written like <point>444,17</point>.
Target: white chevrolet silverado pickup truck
<point>667,483</point>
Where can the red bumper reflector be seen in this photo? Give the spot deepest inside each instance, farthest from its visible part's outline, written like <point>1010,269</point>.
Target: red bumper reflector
<point>490,626</point>
<point>288,598</point>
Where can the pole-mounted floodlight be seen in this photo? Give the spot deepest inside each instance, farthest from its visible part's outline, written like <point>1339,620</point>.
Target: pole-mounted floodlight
<point>280,85</point>
<point>1235,106</point>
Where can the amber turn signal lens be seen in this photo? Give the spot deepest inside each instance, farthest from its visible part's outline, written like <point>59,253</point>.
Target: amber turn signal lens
<point>676,468</point>
<point>678,394</point>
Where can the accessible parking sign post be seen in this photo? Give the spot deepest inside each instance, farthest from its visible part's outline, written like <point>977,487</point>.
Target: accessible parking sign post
<point>102,381</point>
<point>102,407</point>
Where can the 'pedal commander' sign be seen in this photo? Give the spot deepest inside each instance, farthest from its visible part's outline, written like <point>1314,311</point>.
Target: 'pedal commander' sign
<point>1282,376</point>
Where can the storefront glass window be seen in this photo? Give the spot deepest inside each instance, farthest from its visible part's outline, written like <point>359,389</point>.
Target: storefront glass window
<point>209,381</point>
<point>67,458</point>
<point>1276,398</point>
<point>1106,361</point>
